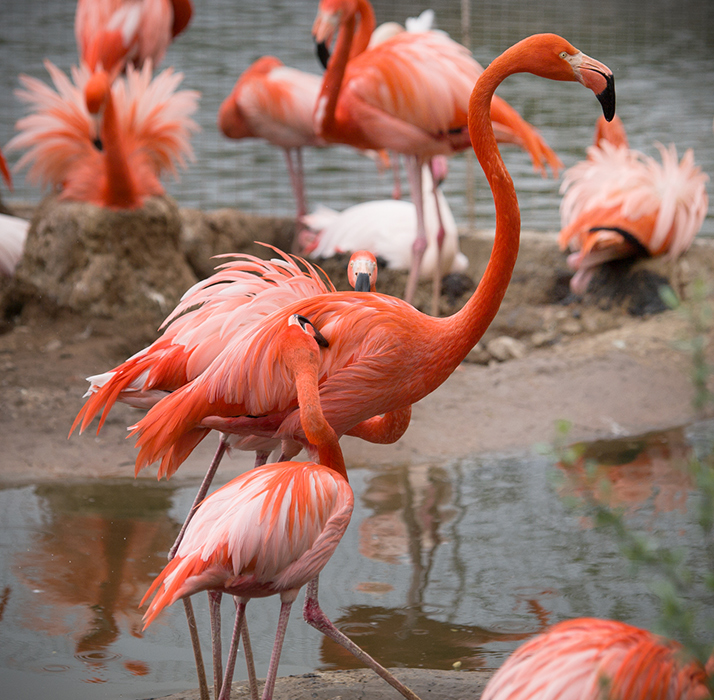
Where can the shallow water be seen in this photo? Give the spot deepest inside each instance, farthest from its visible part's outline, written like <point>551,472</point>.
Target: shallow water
<point>660,51</point>
<point>442,563</point>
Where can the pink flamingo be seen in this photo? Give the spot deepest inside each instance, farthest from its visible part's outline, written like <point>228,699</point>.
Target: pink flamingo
<point>274,102</point>
<point>383,354</point>
<point>144,130</point>
<point>114,33</point>
<point>13,231</point>
<point>406,95</point>
<point>590,659</point>
<point>620,203</point>
<point>271,530</point>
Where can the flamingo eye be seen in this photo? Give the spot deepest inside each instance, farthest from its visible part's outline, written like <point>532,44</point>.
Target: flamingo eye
<point>564,54</point>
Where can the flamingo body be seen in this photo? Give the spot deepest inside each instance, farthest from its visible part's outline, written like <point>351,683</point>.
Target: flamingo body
<point>114,33</point>
<point>13,232</point>
<point>269,531</point>
<point>620,202</point>
<point>145,130</point>
<point>388,228</point>
<point>592,659</point>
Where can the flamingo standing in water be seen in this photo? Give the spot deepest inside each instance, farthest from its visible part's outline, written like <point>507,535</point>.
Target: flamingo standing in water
<point>406,95</point>
<point>620,203</point>
<point>145,127</point>
<point>275,102</point>
<point>592,659</point>
<point>383,354</point>
<point>271,530</point>
<point>112,34</point>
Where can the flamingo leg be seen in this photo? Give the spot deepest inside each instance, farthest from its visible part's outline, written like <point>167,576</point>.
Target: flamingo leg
<point>248,653</point>
<point>196,644</point>
<point>261,458</point>
<point>413,166</point>
<point>436,292</point>
<point>233,651</point>
<point>315,617</point>
<point>397,189</point>
<point>277,649</point>
<point>214,606</point>
<point>297,182</point>
<point>203,489</point>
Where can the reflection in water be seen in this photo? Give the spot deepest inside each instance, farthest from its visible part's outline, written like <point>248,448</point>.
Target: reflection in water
<point>92,562</point>
<point>626,473</point>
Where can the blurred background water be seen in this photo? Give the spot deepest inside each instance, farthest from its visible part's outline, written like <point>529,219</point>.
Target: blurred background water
<point>661,52</point>
<point>442,563</point>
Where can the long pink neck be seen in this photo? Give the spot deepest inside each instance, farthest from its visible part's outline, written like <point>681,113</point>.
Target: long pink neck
<point>121,190</point>
<point>463,330</point>
<point>351,41</point>
<point>317,430</point>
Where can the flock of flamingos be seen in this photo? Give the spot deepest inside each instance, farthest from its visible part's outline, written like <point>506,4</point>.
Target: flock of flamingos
<point>272,357</point>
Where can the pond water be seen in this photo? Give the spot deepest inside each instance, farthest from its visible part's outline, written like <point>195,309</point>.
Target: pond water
<point>442,563</point>
<point>660,51</point>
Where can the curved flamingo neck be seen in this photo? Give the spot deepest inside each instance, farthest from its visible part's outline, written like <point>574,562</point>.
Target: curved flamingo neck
<point>120,190</point>
<point>468,325</point>
<point>365,28</point>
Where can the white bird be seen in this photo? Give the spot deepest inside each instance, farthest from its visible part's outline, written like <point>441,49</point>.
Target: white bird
<point>388,229</point>
<point>13,232</point>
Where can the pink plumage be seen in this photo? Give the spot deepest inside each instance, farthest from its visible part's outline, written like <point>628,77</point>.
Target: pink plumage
<point>620,202</point>
<point>144,133</point>
<point>592,659</point>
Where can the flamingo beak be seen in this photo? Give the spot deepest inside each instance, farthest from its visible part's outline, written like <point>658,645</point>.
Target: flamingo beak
<point>599,78</point>
<point>323,53</point>
<point>362,282</point>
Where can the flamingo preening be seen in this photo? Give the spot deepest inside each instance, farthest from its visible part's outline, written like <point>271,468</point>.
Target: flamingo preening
<point>592,659</point>
<point>144,129</point>
<point>621,203</point>
<point>271,530</point>
<point>112,34</point>
<point>407,95</point>
<point>383,354</point>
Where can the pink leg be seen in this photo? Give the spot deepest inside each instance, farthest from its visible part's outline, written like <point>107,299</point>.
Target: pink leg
<point>261,458</point>
<point>214,606</point>
<point>436,291</point>
<point>203,489</point>
<point>233,651</point>
<point>397,189</point>
<point>196,644</point>
<point>248,653</point>
<point>316,618</point>
<point>413,166</point>
<point>277,649</point>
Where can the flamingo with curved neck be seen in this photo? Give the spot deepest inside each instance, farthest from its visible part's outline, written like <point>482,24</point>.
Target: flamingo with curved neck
<point>383,354</point>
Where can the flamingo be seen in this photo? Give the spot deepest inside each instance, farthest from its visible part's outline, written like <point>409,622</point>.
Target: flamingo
<point>112,34</point>
<point>383,354</point>
<point>13,231</point>
<point>145,130</point>
<point>388,228</point>
<point>590,659</point>
<point>272,530</point>
<point>620,203</point>
<point>407,95</point>
<point>275,102</point>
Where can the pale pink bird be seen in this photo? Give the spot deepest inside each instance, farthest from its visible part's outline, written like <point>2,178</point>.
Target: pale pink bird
<point>144,130</point>
<point>112,34</point>
<point>592,659</point>
<point>388,228</point>
<point>407,94</point>
<point>13,231</point>
<point>621,203</point>
<point>274,102</point>
<point>272,530</point>
<point>383,354</point>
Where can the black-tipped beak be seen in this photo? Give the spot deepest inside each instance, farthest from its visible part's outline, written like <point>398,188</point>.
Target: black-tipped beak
<point>607,98</point>
<point>362,282</point>
<point>319,338</point>
<point>98,144</point>
<point>323,53</point>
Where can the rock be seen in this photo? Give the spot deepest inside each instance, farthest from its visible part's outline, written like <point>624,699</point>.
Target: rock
<point>206,234</point>
<point>506,348</point>
<point>97,262</point>
<point>478,355</point>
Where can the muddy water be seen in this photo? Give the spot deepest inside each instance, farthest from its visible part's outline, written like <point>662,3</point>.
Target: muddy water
<point>442,564</point>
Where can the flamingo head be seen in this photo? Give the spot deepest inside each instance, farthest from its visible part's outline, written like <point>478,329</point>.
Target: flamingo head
<point>362,271</point>
<point>551,56</point>
<point>331,14</point>
<point>96,91</point>
<point>298,343</point>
